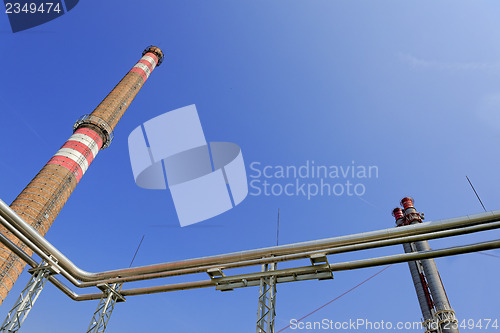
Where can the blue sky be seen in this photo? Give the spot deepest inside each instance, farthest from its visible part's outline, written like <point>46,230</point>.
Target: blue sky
<point>410,87</point>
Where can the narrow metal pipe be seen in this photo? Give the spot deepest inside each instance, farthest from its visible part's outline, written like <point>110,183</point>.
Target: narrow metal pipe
<point>398,258</point>
<point>36,250</point>
<point>365,263</point>
<point>169,287</point>
<point>317,245</point>
<point>436,287</point>
<point>58,284</point>
<point>71,294</point>
<point>420,288</point>
<point>87,297</point>
<point>432,275</point>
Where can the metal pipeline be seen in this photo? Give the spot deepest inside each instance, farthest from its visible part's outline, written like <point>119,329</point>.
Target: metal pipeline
<point>436,287</point>
<point>432,275</point>
<point>35,249</point>
<point>423,297</point>
<point>273,259</point>
<point>87,297</point>
<point>372,262</point>
<point>417,276</point>
<point>58,284</point>
<point>169,287</point>
<point>201,269</point>
<point>399,258</point>
<point>317,245</point>
<point>365,263</point>
<point>209,283</point>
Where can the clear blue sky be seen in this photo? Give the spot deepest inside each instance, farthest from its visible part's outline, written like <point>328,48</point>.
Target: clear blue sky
<point>411,87</point>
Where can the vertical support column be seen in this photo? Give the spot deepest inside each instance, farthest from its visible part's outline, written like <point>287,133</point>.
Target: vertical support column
<point>25,302</point>
<point>444,316</point>
<point>419,282</point>
<point>423,294</point>
<point>105,307</point>
<point>266,313</point>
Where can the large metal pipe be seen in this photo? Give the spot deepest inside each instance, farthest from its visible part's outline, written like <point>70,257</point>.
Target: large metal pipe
<point>167,288</point>
<point>32,262</point>
<point>421,290</point>
<point>448,322</point>
<point>208,283</point>
<point>43,198</point>
<point>431,273</point>
<point>318,245</point>
<point>398,258</point>
<point>246,263</point>
<point>32,247</point>
<point>444,315</point>
<point>274,259</point>
<point>364,263</point>
<point>420,287</point>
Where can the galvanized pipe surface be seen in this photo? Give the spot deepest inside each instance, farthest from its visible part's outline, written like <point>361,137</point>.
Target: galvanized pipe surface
<point>419,286</point>
<point>287,257</point>
<point>87,297</point>
<point>365,263</point>
<point>169,287</point>
<point>432,275</point>
<point>34,248</point>
<point>32,262</point>
<point>273,259</point>
<point>317,245</point>
<point>398,258</point>
<point>334,267</point>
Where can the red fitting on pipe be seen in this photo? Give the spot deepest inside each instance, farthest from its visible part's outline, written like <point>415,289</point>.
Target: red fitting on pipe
<point>407,202</point>
<point>399,216</point>
<point>397,213</point>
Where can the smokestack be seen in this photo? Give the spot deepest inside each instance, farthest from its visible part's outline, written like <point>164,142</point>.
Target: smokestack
<point>443,313</point>
<point>417,275</point>
<point>42,200</point>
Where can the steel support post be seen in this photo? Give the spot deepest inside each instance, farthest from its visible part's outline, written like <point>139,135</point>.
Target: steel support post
<point>26,300</point>
<point>267,301</point>
<point>105,307</point>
